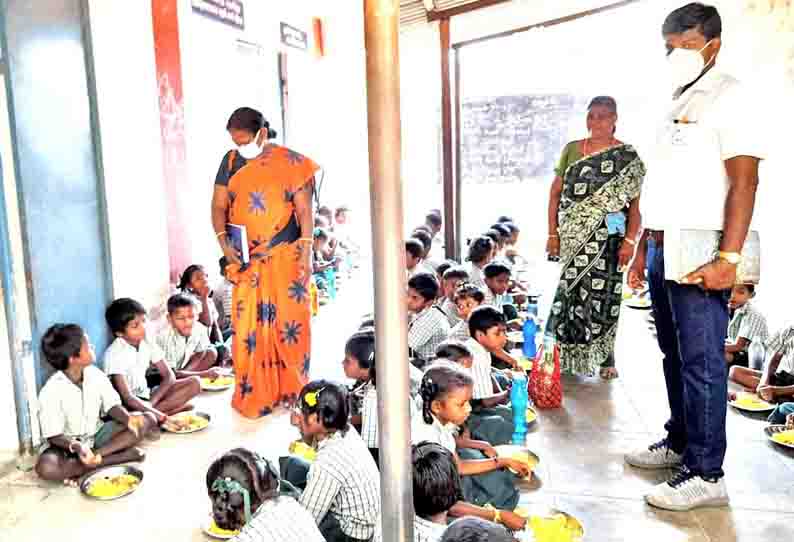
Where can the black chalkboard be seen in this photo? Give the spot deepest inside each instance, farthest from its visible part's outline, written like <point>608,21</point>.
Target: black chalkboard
<point>508,139</point>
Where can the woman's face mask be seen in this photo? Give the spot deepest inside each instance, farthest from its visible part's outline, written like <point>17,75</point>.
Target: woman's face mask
<point>686,65</point>
<point>251,150</point>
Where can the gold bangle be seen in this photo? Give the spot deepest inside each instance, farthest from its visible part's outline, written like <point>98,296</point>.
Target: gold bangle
<point>497,516</point>
<point>554,236</point>
<point>218,234</point>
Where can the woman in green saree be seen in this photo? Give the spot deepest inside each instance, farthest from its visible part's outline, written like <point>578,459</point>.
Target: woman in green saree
<point>594,219</point>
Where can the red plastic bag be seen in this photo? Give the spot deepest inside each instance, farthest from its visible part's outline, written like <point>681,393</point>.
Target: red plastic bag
<point>545,387</point>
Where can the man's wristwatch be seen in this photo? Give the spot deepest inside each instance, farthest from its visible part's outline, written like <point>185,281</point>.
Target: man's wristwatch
<point>733,258</point>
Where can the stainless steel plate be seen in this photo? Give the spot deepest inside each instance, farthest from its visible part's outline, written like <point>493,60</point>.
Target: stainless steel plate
<point>110,472</point>
<point>188,431</point>
<point>773,430</point>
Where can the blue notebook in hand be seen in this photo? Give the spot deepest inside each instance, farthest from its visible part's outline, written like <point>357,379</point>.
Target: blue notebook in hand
<point>238,237</point>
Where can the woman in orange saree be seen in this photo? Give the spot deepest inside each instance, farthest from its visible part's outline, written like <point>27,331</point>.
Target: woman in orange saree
<point>268,189</point>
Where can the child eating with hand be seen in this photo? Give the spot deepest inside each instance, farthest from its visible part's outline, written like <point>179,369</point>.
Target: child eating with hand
<point>248,496</point>
<point>747,325</point>
<point>71,406</point>
<point>446,392</point>
<point>343,472</point>
<point>131,356</point>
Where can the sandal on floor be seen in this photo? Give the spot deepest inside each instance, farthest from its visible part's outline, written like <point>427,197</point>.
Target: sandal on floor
<point>608,373</point>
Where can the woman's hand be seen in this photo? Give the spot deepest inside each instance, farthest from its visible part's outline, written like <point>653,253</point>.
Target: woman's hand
<point>512,521</point>
<point>625,254</point>
<point>553,246</point>
<point>305,271</point>
<point>232,256</point>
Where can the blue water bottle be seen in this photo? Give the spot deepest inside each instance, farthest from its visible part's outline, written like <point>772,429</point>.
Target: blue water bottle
<point>530,329</point>
<point>519,399</point>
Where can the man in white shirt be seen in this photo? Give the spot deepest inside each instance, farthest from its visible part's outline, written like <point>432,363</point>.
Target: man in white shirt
<point>704,177</point>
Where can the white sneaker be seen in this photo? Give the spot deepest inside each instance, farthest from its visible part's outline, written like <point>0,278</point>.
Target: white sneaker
<point>655,456</point>
<point>686,491</point>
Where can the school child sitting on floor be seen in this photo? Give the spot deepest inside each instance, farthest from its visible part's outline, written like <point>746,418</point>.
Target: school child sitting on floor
<point>511,249</point>
<point>185,342</point>
<point>783,415</point>
<point>324,270</point>
<point>442,268</point>
<point>194,282</point>
<point>414,256</point>
<point>137,367</point>
<point>248,495</point>
<point>481,251</point>
<point>342,489</point>
<point>429,326</point>
<point>746,326</point>
<point>437,488</point>
<point>222,296</point>
<point>491,419</point>
<point>468,297</point>
<point>452,278</point>
<point>456,352</point>
<point>776,381</point>
<point>446,392</point>
<point>71,406</point>
<point>359,364</point>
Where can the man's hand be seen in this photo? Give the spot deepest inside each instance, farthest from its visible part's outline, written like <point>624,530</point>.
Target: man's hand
<point>232,256</point>
<point>625,254</point>
<point>636,278</point>
<point>767,393</point>
<point>717,275</point>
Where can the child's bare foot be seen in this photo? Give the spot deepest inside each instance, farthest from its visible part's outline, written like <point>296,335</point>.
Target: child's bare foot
<point>71,482</point>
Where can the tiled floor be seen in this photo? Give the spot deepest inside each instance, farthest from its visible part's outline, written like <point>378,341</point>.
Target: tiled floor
<point>581,448</point>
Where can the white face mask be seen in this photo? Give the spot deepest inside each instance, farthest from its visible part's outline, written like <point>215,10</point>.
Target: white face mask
<point>251,150</point>
<point>685,66</point>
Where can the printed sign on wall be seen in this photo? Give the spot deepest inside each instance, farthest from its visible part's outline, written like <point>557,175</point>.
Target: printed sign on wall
<point>226,11</point>
<point>294,37</point>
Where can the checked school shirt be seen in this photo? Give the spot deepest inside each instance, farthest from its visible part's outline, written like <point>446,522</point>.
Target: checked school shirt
<point>344,481</point>
<point>281,520</point>
<point>747,323</point>
<point>426,331</point>
<point>783,342</point>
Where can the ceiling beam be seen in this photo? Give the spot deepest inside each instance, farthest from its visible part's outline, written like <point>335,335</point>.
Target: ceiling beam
<point>438,14</point>
<point>545,24</point>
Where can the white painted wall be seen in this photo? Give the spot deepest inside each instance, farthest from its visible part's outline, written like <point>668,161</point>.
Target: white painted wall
<point>127,101</point>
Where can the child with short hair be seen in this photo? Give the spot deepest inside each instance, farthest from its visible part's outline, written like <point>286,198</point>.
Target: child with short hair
<point>437,488</point>
<point>343,485</point>
<point>491,419</point>
<point>71,406</point>
<point>185,342</point>
<point>497,280</point>
<point>130,356</point>
<point>468,297</point>
<point>414,258</point>
<point>481,251</point>
<point>452,278</point>
<point>747,325</point>
<point>457,352</point>
<point>222,296</point>
<point>446,392</point>
<point>425,238</point>
<point>776,381</point>
<point>324,271</point>
<point>442,268</point>
<point>249,496</point>
<point>429,326</point>
<point>194,282</point>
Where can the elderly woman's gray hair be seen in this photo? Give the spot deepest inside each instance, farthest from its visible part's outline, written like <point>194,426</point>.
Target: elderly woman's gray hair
<point>604,101</point>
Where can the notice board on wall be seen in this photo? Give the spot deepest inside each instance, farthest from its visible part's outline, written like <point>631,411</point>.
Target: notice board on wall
<point>509,139</point>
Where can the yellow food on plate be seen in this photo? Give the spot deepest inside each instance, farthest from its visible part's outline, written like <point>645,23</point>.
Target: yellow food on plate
<point>186,423</point>
<point>750,400</point>
<point>221,382</point>
<point>531,415</point>
<point>555,528</point>
<point>214,529</point>
<point>784,437</point>
<point>303,450</point>
<point>113,486</point>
